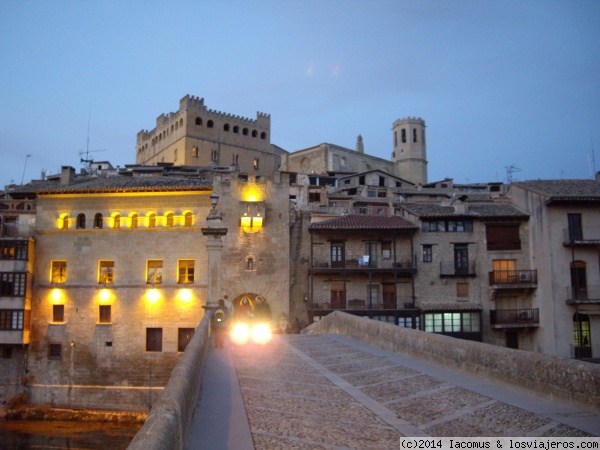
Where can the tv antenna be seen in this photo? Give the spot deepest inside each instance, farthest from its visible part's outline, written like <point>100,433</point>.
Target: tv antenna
<point>509,172</point>
<point>87,152</point>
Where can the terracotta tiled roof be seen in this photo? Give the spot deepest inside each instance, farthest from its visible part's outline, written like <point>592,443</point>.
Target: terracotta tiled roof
<point>458,306</point>
<point>474,210</point>
<point>563,190</point>
<point>118,184</point>
<point>364,222</point>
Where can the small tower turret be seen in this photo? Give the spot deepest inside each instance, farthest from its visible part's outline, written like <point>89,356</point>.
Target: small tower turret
<point>409,155</point>
<point>360,148</point>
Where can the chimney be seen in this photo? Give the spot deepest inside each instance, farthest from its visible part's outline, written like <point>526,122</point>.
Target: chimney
<point>67,175</point>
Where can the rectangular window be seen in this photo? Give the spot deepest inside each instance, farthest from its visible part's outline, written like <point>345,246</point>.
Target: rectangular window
<point>11,319</point>
<point>58,272</point>
<point>54,351</point>
<point>433,323</point>
<point>13,249</point>
<point>12,284</point>
<point>106,272</point>
<point>471,323</point>
<point>186,271</point>
<point>337,295</point>
<point>7,352</point>
<point>154,271</point>
<point>575,228</point>
<point>386,250</point>
<point>453,226</point>
<point>255,163</point>
<point>337,254</point>
<point>381,194</point>
<point>184,336</point>
<point>58,313</point>
<point>104,314</point>
<point>371,193</point>
<point>462,289</point>
<point>195,152</point>
<point>427,253</point>
<point>154,339</point>
<point>314,197</point>
<point>503,237</point>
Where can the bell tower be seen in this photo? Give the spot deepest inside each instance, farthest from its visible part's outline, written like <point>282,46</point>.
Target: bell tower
<point>409,155</point>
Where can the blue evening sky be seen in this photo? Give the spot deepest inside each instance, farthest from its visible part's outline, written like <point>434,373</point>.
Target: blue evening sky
<point>498,82</point>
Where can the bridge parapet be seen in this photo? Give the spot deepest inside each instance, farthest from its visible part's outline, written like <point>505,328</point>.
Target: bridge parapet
<point>556,379</point>
<point>167,424</point>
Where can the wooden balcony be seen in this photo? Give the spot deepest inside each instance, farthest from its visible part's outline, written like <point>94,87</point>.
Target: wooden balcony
<point>583,295</point>
<point>353,266</point>
<point>515,318</point>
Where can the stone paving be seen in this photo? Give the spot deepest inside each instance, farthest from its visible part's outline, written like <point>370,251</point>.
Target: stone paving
<point>325,392</point>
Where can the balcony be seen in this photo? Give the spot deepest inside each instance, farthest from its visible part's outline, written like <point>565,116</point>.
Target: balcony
<point>451,269</point>
<point>515,318</point>
<point>356,304</point>
<point>583,295</point>
<point>581,236</point>
<point>364,265</point>
<point>513,279</point>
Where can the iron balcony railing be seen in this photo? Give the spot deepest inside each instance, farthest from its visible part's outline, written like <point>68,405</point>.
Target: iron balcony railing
<point>510,277</point>
<point>404,262</point>
<point>363,304</point>
<point>583,294</point>
<point>450,268</point>
<point>504,244</point>
<point>515,316</point>
<point>581,235</point>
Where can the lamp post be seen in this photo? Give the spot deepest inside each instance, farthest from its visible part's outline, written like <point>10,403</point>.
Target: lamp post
<point>23,177</point>
<point>214,247</point>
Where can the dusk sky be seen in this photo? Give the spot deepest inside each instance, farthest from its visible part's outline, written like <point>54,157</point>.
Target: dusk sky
<point>498,83</point>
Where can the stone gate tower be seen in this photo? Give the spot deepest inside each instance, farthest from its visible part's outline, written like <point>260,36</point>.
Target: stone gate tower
<point>409,155</point>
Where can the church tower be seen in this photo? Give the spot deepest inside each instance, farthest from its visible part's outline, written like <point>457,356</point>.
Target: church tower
<point>409,155</point>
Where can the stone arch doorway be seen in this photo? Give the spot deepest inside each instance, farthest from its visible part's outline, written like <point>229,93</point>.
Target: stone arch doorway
<point>251,306</point>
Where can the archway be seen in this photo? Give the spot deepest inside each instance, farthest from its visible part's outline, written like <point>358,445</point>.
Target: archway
<point>251,306</point>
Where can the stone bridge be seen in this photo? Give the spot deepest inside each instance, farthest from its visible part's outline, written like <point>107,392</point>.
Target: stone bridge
<point>350,382</point>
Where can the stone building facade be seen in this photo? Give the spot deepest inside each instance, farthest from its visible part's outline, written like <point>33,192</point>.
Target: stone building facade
<point>198,136</point>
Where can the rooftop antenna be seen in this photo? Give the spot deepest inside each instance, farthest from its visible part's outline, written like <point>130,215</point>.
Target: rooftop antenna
<point>23,177</point>
<point>87,152</point>
<point>592,160</point>
<point>509,172</point>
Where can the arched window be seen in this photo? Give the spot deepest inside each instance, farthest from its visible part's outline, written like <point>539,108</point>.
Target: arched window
<point>210,124</point>
<point>117,221</point>
<point>250,264</point>
<point>198,121</point>
<point>80,221</point>
<point>170,219</point>
<point>414,135</point>
<point>263,135</point>
<point>64,223</point>
<point>254,133</point>
<point>134,220</point>
<point>98,221</point>
<point>151,220</point>
<point>226,127</point>
<point>180,122</point>
<point>403,134</point>
<point>236,129</point>
<point>187,219</point>
<point>245,131</point>
<point>172,127</point>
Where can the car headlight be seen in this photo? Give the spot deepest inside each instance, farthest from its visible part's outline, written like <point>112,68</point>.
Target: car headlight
<point>240,333</point>
<point>261,334</point>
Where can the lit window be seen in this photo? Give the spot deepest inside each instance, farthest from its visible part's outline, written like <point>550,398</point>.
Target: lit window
<point>184,336</point>
<point>186,271</point>
<point>154,271</point>
<point>106,272</point>
<point>58,313</point>
<point>195,152</point>
<point>117,221</point>
<point>152,220</point>
<point>170,219</point>
<point>104,314</point>
<point>134,221</point>
<point>98,221</point>
<point>154,339</point>
<point>64,223</point>
<point>255,163</point>
<point>58,272</point>
<point>187,219</point>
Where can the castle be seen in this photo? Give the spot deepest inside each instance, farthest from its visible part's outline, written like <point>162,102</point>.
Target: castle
<point>105,276</point>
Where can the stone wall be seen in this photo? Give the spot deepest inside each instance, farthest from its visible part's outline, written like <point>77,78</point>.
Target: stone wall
<point>551,377</point>
<point>167,425</point>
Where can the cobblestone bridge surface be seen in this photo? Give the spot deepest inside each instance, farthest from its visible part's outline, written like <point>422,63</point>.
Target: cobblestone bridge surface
<point>329,391</point>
